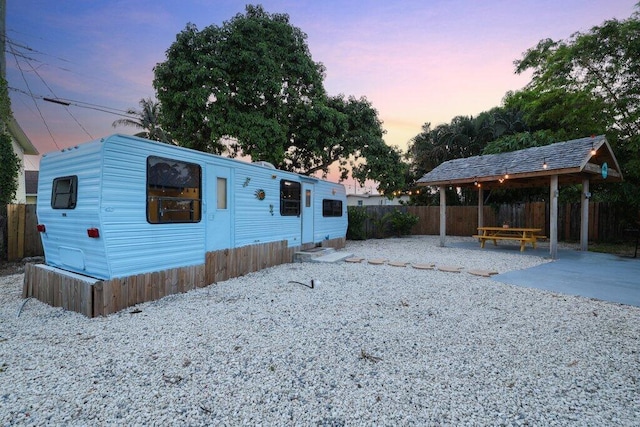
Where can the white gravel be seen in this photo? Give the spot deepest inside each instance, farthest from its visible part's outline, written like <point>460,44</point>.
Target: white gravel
<point>369,345</point>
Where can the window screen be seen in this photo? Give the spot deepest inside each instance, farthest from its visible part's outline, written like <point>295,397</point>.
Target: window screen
<point>173,191</point>
<point>331,207</point>
<point>289,198</point>
<point>64,193</point>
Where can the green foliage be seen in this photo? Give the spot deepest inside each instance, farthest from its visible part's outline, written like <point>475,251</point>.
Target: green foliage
<point>9,168</point>
<point>148,120</point>
<point>519,141</point>
<point>400,222</point>
<point>9,161</point>
<point>463,137</point>
<point>357,218</point>
<point>588,84</point>
<point>250,87</point>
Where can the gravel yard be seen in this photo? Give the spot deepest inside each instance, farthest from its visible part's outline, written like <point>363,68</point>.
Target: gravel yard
<point>368,345</point>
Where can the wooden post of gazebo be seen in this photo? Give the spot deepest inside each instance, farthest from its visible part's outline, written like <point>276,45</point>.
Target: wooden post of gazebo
<point>584,218</point>
<point>443,215</point>
<point>553,217</point>
<point>480,208</point>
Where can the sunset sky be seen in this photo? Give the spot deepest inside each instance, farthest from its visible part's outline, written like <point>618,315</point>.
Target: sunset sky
<point>417,61</point>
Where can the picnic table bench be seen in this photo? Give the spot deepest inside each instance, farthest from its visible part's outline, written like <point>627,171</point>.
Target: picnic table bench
<point>524,235</point>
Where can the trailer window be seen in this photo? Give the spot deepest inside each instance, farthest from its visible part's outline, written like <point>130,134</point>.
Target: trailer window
<point>173,191</point>
<point>64,192</point>
<point>289,198</point>
<point>222,193</point>
<point>331,207</point>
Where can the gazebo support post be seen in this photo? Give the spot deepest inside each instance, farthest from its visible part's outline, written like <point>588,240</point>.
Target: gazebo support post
<point>443,214</point>
<point>553,217</point>
<point>480,208</point>
<point>584,219</point>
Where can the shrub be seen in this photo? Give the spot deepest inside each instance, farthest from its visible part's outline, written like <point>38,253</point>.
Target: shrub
<point>400,222</point>
<point>357,217</point>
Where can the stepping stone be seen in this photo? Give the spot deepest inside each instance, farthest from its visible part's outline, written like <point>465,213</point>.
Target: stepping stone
<point>449,269</point>
<point>377,261</point>
<point>398,264</point>
<point>483,273</point>
<point>355,260</point>
<point>423,266</point>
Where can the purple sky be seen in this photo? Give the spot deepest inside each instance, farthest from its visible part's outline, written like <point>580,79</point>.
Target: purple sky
<point>417,61</point>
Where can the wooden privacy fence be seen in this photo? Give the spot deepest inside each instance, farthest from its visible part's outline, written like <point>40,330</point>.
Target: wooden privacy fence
<point>606,220</point>
<point>22,235</point>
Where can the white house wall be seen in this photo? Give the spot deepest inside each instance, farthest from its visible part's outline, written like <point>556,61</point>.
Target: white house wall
<point>21,196</point>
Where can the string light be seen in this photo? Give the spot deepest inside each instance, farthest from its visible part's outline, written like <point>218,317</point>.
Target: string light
<point>544,163</point>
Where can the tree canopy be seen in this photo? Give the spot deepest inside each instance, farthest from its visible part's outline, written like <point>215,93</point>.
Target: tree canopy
<point>588,84</point>
<point>250,87</point>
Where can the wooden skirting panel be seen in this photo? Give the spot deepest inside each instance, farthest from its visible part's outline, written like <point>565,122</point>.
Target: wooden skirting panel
<point>229,263</point>
<point>100,298</point>
<point>111,296</point>
<point>93,297</point>
<point>58,290</point>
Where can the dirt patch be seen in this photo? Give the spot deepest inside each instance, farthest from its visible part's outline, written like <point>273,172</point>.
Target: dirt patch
<point>17,267</point>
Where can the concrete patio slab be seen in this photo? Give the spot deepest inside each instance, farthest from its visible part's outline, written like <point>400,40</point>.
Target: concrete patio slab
<point>589,274</point>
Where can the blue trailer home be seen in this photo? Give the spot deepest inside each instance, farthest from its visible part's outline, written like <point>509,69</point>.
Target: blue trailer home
<point>123,207</point>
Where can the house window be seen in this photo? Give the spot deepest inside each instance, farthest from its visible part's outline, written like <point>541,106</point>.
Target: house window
<point>331,207</point>
<point>173,191</point>
<point>222,193</point>
<point>64,192</point>
<point>307,198</point>
<point>289,198</point>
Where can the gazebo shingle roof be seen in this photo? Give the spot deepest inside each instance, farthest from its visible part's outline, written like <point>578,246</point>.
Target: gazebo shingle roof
<point>571,160</point>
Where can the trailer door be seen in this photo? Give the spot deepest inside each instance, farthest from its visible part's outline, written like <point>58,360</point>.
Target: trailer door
<point>307,212</point>
<point>219,227</point>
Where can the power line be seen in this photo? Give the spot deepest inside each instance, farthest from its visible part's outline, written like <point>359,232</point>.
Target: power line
<point>51,90</point>
<point>80,104</point>
<point>29,58</point>
<point>44,63</point>
<point>46,125</point>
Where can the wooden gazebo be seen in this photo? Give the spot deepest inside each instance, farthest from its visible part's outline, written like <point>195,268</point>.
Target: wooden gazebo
<point>579,161</point>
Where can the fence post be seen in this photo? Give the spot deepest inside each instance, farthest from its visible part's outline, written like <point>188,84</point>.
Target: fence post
<point>15,218</point>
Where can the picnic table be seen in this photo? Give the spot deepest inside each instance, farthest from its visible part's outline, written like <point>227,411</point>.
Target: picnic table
<point>524,235</point>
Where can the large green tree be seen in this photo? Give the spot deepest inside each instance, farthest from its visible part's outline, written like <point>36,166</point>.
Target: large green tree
<point>250,87</point>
